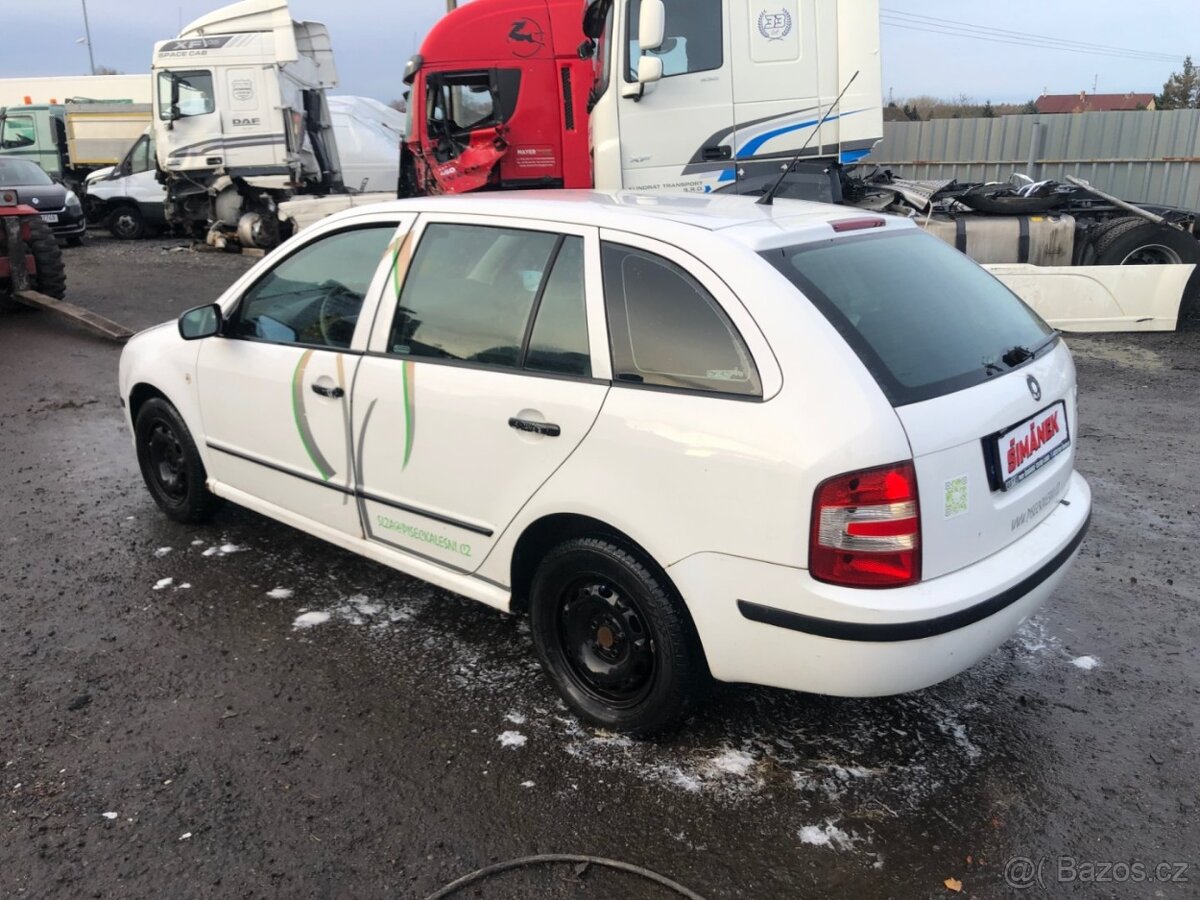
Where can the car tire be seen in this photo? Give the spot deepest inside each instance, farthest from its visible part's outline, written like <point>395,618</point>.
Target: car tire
<point>614,638</point>
<point>127,223</point>
<point>171,465</point>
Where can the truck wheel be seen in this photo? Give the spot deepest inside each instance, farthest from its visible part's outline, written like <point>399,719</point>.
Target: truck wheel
<point>1132,241</point>
<point>51,277</point>
<point>127,223</point>
<point>613,637</point>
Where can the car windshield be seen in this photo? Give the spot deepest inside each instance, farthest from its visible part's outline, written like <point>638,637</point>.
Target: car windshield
<point>20,172</point>
<point>923,318</point>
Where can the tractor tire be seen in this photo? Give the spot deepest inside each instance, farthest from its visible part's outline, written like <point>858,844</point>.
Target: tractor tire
<point>1131,240</point>
<point>51,277</point>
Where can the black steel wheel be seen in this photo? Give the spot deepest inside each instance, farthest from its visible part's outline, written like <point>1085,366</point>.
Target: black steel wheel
<point>170,463</point>
<point>614,638</point>
<point>126,223</point>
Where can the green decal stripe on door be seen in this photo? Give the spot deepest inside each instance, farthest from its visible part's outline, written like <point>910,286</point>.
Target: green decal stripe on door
<point>318,459</point>
<point>408,376</point>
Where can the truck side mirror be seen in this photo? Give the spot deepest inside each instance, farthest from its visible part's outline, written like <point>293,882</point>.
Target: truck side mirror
<point>650,69</point>
<point>176,113</point>
<point>652,25</point>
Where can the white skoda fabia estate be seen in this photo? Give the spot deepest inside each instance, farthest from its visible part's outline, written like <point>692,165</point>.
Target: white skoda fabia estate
<point>689,436</point>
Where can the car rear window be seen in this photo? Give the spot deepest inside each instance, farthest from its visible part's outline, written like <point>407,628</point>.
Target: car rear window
<point>923,318</point>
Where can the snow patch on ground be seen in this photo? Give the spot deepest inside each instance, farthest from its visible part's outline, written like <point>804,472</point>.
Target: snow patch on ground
<point>310,620</point>
<point>827,835</point>
<point>1085,662</point>
<point>109,815</point>
<point>732,762</point>
<point>223,550</point>
<point>359,610</point>
<point>162,551</point>
<point>512,739</point>
<point>516,718</point>
<point>163,583</point>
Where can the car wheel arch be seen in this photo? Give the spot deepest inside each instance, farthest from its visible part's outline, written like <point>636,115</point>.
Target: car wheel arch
<point>548,531</point>
<point>140,393</point>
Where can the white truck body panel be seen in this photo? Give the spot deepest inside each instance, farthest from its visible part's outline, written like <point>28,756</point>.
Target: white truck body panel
<point>1100,298</point>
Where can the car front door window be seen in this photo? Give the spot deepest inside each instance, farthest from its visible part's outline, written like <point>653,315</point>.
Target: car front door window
<point>315,295</point>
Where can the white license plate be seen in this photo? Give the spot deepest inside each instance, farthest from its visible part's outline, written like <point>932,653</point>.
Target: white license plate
<point>1029,445</point>
<point>52,218</point>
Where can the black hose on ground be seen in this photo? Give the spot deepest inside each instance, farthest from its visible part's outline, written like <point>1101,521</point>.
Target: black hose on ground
<point>550,858</point>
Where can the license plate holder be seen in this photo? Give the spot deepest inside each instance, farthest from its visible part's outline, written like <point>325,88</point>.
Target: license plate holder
<point>1020,450</point>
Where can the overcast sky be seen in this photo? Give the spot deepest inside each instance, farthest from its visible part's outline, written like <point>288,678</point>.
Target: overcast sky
<point>374,38</point>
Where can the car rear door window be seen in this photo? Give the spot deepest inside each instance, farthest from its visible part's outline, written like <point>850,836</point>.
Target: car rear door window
<point>668,331</point>
<point>315,295</point>
<point>923,318</point>
<point>469,293</point>
<point>558,341</point>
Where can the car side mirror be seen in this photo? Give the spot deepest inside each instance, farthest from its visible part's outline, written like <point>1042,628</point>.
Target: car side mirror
<point>652,24</point>
<point>650,69</point>
<point>201,322</point>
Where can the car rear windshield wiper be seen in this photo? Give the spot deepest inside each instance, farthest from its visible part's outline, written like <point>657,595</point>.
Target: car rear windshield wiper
<point>1014,356</point>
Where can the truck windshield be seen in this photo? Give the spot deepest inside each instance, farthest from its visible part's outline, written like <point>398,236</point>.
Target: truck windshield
<point>923,318</point>
<point>21,173</point>
<point>196,96</point>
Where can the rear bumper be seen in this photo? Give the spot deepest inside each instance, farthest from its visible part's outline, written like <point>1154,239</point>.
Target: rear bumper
<point>775,625</point>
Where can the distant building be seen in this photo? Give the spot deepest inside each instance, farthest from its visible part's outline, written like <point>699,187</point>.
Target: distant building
<point>1085,102</point>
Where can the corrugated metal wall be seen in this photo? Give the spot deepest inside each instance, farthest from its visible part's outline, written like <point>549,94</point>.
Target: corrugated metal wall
<point>1152,157</point>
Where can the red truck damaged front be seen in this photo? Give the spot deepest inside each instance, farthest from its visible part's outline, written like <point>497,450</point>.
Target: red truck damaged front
<point>482,99</point>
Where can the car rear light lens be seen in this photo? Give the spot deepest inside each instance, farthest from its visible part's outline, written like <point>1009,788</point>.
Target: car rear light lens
<point>866,529</point>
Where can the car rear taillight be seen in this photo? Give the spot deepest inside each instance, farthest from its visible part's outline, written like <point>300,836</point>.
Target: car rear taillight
<point>866,529</point>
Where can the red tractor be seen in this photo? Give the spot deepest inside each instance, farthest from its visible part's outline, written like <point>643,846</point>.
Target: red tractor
<point>29,256</point>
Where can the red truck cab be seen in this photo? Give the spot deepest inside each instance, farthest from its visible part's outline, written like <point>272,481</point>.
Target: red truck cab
<point>480,97</point>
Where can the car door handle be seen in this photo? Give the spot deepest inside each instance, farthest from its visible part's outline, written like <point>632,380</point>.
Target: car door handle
<point>543,428</point>
<point>710,154</point>
<point>325,391</point>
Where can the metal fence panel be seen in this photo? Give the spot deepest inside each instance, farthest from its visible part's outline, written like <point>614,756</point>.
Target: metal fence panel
<point>1146,156</point>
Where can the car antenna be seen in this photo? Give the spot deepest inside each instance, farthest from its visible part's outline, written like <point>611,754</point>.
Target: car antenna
<point>768,199</point>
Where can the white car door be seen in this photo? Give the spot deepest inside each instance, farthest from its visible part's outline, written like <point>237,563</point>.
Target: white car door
<point>486,371</point>
<point>274,387</point>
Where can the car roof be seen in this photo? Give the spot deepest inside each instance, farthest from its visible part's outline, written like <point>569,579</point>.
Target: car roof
<point>738,216</point>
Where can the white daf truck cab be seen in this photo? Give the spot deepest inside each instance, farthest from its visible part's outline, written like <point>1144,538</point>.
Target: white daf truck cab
<point>242,121</point>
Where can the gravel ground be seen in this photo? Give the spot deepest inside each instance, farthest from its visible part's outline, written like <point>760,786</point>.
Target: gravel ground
<point>168,727</point>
